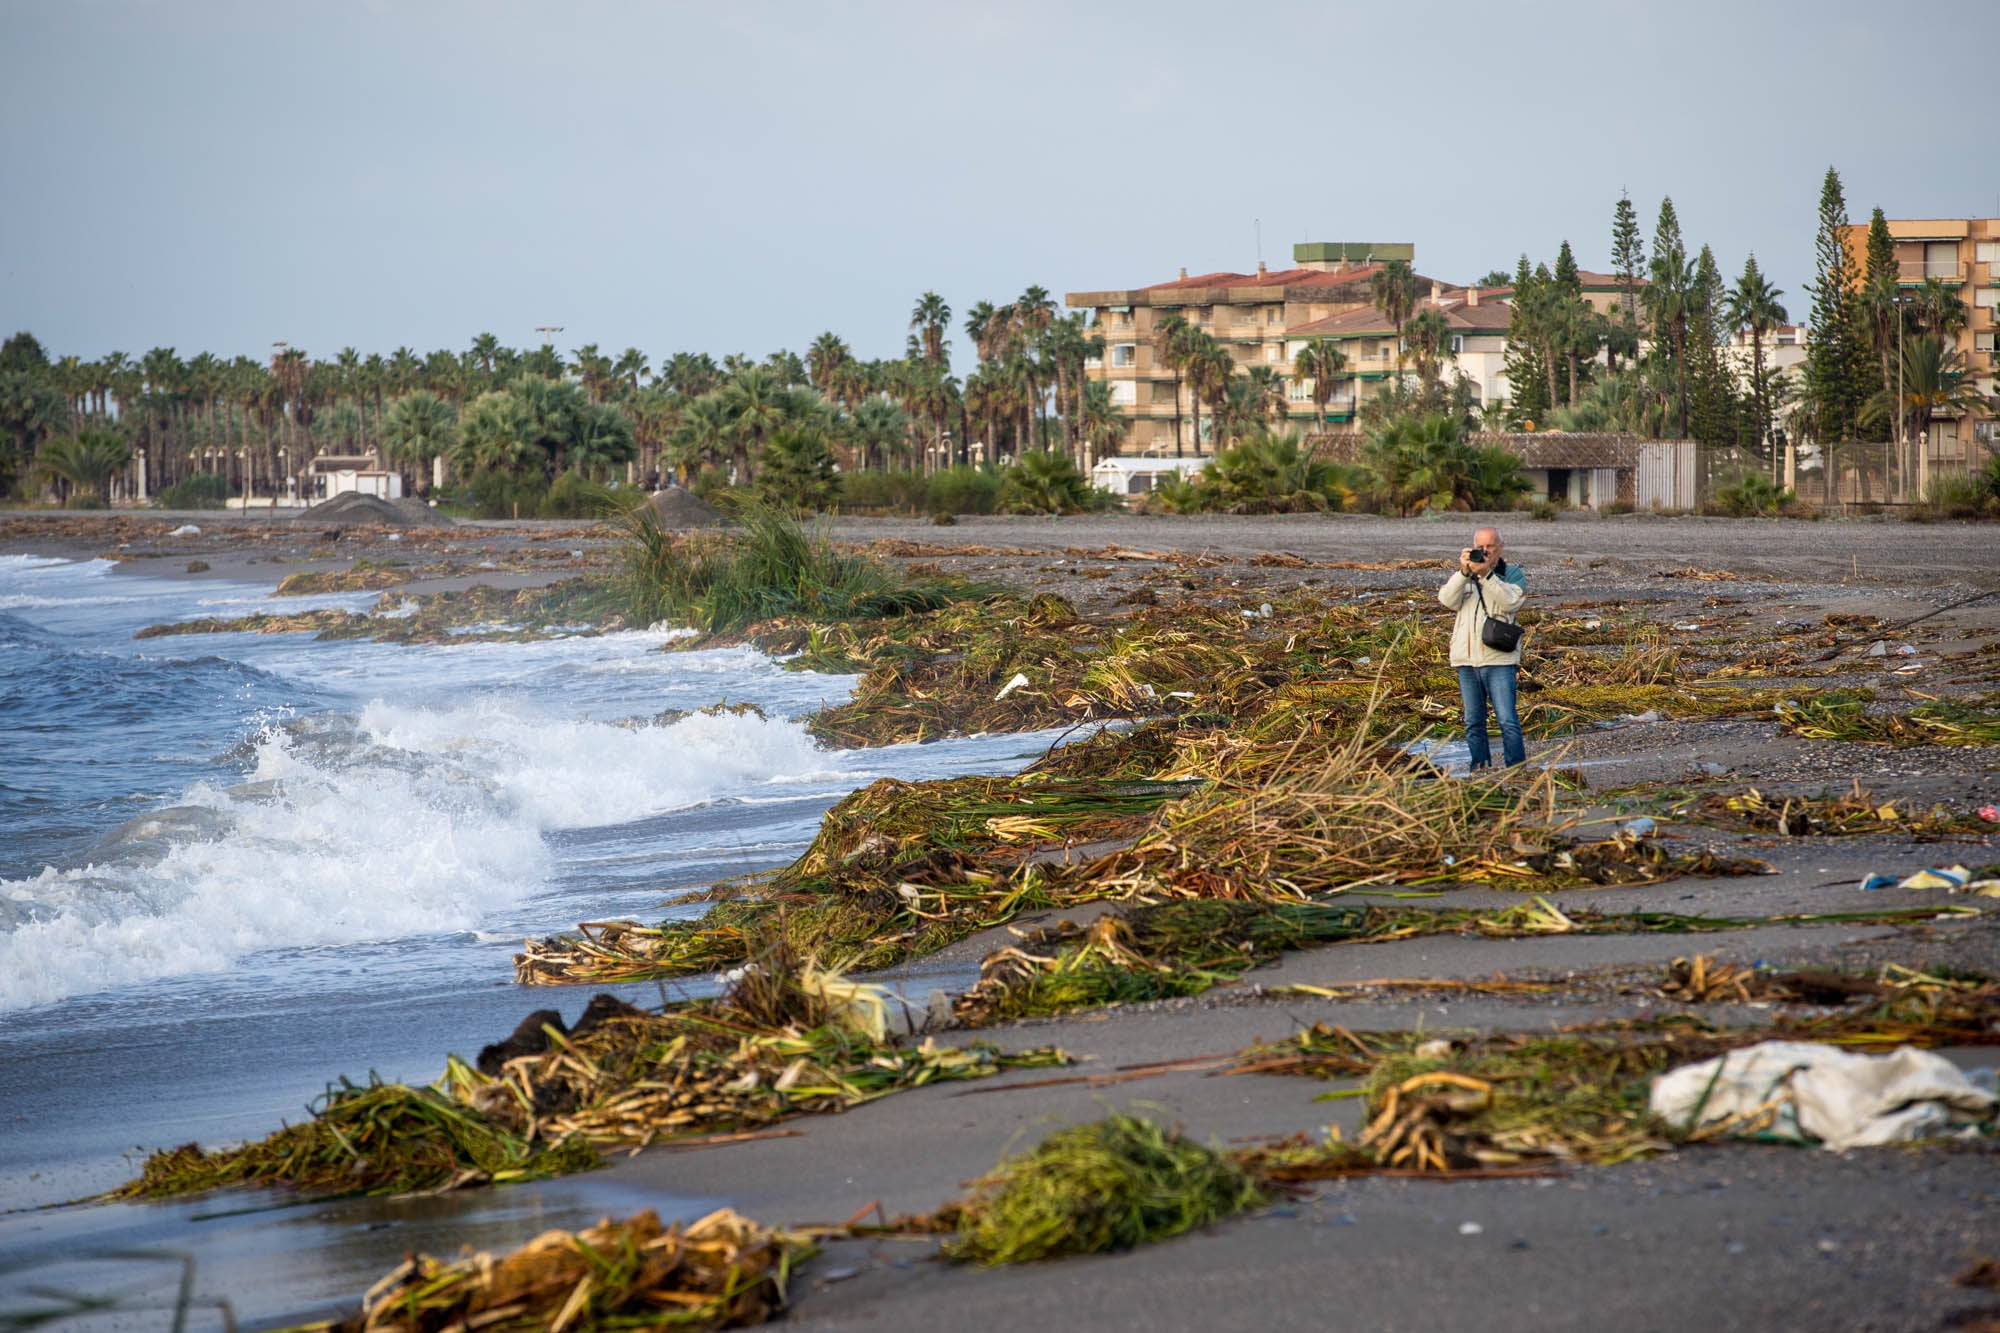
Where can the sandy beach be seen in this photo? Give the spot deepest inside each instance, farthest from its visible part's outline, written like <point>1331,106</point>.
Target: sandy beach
<point>1721,1237</point>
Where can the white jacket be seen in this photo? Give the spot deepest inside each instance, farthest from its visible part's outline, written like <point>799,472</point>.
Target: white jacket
<point>1504,591</point>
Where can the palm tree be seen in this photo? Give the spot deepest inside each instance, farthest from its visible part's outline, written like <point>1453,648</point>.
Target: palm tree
<point>1428,336</point>
<point>1753,304</point>
<point>1210,368</point>
<point>826,355</point>
<point>629,366</point>
<point>1934,381</point>
<point>485,350</point>
<point>1320,361</point>
<point>930,318</point>
<point>1393,289</point>
<point>1938,309</point>
<point>690,374</point>
<point>1268,407</point>
<point>706,434</point>
<point>1103,425</point>
<point>1173,344</point>
<point>1670,300</point>
<point>85,461</point>
<point>419,427</point>
<point>496,433</point>
<point>1069,347</point>
<point>759,404</point>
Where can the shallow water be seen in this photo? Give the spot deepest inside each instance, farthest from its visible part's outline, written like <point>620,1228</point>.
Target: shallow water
<point>233,867</point>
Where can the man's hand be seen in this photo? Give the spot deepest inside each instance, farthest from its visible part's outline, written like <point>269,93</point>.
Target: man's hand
<point>1471,567</point>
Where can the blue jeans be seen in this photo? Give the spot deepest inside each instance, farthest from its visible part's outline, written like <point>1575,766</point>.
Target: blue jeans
<point>1477,686</point>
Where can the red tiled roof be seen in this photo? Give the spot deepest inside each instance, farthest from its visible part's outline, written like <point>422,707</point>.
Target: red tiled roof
<point>1482,318</point>
<point>1355,322</point>
<point>1201,280</point>
<point>1589,279</point>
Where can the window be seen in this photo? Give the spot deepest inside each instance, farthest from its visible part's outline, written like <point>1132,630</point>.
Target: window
<point>1274,315</point>
<point>1457,343</point>
<point>1941,259</point>
<point>1987,252</point>
<point>1982,342</point>
<point>1124,354</point>
<point>1298,391</point>
<point>1275,354</point>
<point>1987,297</point>
<point>1125,393</point>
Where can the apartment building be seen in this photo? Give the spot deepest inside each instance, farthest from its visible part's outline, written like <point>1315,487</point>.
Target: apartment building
<point>1250,314</point>
<point>1478,318</point>
<point>1963,253</point>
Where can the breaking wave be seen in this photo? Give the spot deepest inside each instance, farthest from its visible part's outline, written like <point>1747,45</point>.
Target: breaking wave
<point>343,829</point>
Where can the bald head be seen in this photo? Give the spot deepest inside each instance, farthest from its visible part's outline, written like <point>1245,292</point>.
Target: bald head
<point>1489,538</point>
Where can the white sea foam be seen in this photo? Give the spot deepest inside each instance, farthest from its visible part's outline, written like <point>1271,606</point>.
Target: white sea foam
<point>406,822</point>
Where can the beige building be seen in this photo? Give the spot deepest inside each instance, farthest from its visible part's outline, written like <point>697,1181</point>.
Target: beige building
<point>1478,318</point>
<point>1963,253</point>
<point>1250,314</point>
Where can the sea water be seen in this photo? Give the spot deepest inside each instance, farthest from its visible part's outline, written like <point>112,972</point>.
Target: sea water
<point>236,866</point>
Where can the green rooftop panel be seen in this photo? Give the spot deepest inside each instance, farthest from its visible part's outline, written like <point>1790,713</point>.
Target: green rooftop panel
<point>1327,252</point>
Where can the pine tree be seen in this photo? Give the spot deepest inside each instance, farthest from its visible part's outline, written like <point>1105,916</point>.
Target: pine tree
<point>1628,253</point>
<point>1669,301</point>
<point>1526,378</point>
<point>1566,272</point>
<point>1628,261</point>
<point>1833,359</point>
<point>1881,249</point>
<point>1716,408</point>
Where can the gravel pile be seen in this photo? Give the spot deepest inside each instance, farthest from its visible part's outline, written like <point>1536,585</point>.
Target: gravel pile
<point>350,507</point>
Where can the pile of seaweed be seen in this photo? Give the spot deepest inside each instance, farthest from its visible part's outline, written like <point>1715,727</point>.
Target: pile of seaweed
<point>720,1271</point>
<point>783,1040</point>
<point>900,870</point>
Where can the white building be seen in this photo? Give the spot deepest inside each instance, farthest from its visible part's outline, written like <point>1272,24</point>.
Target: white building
<point>1138,476</point>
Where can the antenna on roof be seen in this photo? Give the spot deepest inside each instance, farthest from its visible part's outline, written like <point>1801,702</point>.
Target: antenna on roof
<point>1258,223</point>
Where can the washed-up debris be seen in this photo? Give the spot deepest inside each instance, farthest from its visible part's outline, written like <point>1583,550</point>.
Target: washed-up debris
<point>1843,716</point>
<point>1108,1185</point>
<point>1703,980</point>
<point>783,1040</point>
<point>1955,879</point>
<point>1582,1093</point>
<point>1175,949</point>
<point>1803,1092</point>
<point>1692,572</point>
<point>1856,812</point>
<point>721,1271</point>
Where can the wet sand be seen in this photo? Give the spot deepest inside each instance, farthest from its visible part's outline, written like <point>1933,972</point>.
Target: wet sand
<point>1732,1237</point>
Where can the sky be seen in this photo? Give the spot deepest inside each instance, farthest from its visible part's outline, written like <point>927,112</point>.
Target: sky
<point>739,176</point>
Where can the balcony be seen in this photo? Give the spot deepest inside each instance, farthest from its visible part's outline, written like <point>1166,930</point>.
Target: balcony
<point>1921,270</point>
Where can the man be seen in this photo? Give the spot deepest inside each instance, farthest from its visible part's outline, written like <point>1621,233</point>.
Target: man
<point>1484,585</point>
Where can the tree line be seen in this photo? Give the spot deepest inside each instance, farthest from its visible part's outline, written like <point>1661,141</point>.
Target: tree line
<point>511,423</point>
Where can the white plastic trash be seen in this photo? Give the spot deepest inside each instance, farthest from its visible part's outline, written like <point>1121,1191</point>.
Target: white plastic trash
<point>1808,1092</point>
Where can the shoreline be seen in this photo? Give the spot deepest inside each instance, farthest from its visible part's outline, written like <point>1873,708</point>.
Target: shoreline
<point>1262,1266</point>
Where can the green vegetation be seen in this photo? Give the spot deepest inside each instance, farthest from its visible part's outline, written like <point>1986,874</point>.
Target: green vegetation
<point>766,567</point>
<point>81,465</point>
<point>1041,482</point>
<point>1262,474</point>
<point>203,490</point>
<point>1753,495</point>
<point>1096,1188</point>
<point>381,1138</point>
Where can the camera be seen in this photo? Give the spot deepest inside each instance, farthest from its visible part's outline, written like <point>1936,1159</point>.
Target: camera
<point>1479,555</point>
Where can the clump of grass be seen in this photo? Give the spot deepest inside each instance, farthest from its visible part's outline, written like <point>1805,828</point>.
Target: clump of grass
<point>1109,1185</point>
<point>767,566</point>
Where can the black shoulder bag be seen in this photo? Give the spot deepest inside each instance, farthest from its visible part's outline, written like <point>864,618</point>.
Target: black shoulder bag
<point>1500,635</point>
